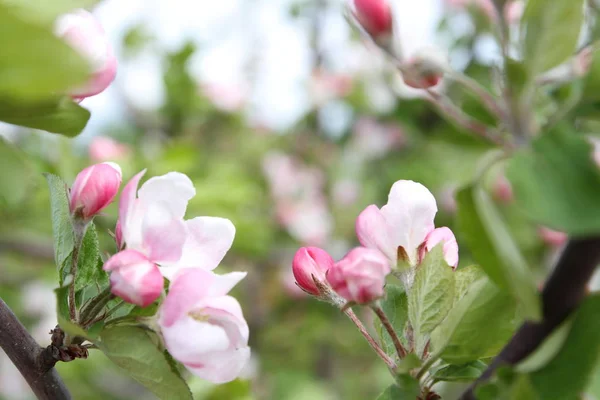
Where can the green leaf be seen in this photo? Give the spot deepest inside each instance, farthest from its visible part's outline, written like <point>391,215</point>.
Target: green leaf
<point>408,363</point>
<point>522,389</point>
<point>464,278</point>
<point>62,312</point>
<point>57,115</point>
<point>469,332</point>
<point>34,63</point>
<point>494,249</point>
<point>569,373</point>
<point>460,373</point>
<point>557,183</point>
<point>45,11</point>
<point>408,388</point>
<point>551,32</point>
<point>87,263</point>
<point>62,226</point>
<point>395,306</point>
<point>135,351</point>
<point>431,296</point>
<point>15,174</point>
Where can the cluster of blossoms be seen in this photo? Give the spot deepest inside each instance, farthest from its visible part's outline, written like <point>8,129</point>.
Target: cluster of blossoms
<point>393,238</point>
<point>201,326</point>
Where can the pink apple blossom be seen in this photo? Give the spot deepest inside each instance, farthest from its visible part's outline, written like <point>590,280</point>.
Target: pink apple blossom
<point>502,189</point>
<point>551,237</point>
<point>82,31</point>
<point>94,188</point>
<point>360,275</point>
<point>310,264</point>
<point>513,11</point>
<point>103,148</point>
<point>152,224</point>
<point>449,246</point>
<point>404,222</point>
<point>425,68</point>
<point>375,16</point>
<point>203,328</point>
<point>373,139</point>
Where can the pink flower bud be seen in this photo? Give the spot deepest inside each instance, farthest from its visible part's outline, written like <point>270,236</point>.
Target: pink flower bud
<point>107,149</point>
<point>450,247</point>
<point>311,262</point>
<point>502,189</point>
<point>375,16</point>
<point>425,69</point>
<point>134,278</point>
<point>94,188</point>
<point>360,275</point>
<point>82,31</point>
<point>551,237</point>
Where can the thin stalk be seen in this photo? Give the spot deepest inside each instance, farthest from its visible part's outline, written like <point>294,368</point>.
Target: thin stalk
<point>96,306</point>
<point>390,330</point>
<point>361,328</point>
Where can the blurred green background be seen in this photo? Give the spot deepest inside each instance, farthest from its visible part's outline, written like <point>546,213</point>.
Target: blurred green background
<point>288,124</point>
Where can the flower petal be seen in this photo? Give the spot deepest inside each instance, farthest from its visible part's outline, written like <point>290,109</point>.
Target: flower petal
<point>221,367</point>
<point>450,247</point>
<point>187,289</point>
<point>130,222</point>
<point>209,239</point>
<point>224,283</point>
<point>163,234</point>
<point>374,232</point>
<point>173,189</point>
<point>410,212</point>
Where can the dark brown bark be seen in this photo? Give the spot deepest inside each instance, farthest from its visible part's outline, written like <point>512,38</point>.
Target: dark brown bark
<point>562,294</point>
<point>34,362</point>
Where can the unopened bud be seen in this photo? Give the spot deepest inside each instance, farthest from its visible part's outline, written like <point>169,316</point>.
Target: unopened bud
<point>360,276</point>
<point>94,188</point>
<point>375,16</point>
<point>446,237</point>
<point>310,264</point>
<point>425,69</point>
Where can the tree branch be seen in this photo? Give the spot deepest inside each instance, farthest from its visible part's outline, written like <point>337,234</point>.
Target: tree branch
<point>563,292</point>
<point>34,362</point>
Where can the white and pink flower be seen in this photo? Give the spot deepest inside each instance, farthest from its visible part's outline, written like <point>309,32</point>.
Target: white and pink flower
<point>310,264</point>
<point>82,31</point>
<point>202,327</point>
<point>158,241</point>
<point>404,224</point>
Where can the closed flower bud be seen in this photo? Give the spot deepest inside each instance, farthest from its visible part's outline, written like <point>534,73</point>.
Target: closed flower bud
<point>425,69</point>
<point>360,276</point>
<point>134,278</point>
<point>449,246</point>
<point>375,16</point>
<point>94,188</point>
<point>311,263</point>
<point>82,31</point>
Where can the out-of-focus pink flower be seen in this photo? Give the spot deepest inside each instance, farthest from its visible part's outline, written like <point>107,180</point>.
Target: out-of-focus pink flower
<point>290,287</point>
<point>513,11</point>
<point>582,62</point>
<point>373,139</point>
<point>450,247</point>
<point>228,98</point>
<point>502,189</point>
<point>325,86</point>
<point>425,68</point>
<point>82,31</point>
<point>311,263</point>
<point>405,221</point>
<point>94,188</point>
<point>203,328</point>
<point>134,277</point>
<point>551,237</point>
<point>345,192</point>
<point>375,16</point>
<point>103,148</point>
<point>152,224</point>
<point>360,275</point>
<point>119,236</point>
<point>447,199</point>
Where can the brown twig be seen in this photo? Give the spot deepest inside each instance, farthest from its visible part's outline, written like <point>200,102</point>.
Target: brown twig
<point>390,330</point>
<point>390,363</point>
<point>562,294</point>
<point>32,361</point>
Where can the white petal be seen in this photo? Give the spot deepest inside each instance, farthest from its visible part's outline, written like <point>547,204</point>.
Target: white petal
<point>209,239</point>
<point>174,189</point>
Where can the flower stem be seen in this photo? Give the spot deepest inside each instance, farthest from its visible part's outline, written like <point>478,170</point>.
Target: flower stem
<point>390,330</point>
<point>390,363</point>
<point>96,306</point>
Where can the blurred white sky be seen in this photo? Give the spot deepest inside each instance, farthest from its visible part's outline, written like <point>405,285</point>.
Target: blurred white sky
<point>229,34</point>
